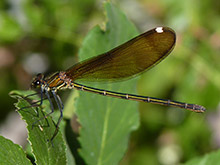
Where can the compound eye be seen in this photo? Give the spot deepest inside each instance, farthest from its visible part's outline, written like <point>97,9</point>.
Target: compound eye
<point>37,82</point>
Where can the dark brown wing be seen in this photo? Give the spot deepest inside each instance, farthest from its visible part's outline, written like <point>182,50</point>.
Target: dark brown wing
<point>128,59</point>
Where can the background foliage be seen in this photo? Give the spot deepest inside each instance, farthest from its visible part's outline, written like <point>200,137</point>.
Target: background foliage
<point>51,32</point>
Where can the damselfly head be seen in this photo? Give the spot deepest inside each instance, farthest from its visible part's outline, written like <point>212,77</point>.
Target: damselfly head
<point>37,81</point>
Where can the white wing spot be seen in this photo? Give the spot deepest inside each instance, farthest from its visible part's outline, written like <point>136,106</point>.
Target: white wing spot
<point>159,29</point>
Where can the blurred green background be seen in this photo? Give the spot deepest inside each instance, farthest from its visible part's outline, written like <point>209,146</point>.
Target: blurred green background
<point>45,35</point>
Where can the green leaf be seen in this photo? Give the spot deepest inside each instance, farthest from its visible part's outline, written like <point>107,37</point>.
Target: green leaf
<point>44,151</point>
<point>11,153</point>
<point>69,108</point>
<point>212,158</point>
<point>106,122</point>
